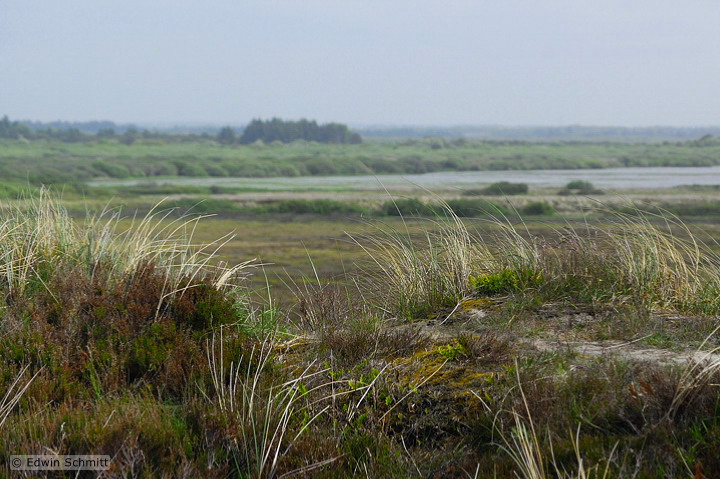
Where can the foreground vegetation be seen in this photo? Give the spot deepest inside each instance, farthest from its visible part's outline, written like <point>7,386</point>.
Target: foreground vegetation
<point>426,362</point>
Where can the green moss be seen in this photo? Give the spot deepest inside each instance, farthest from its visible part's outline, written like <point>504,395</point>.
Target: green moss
<point>505,281</point>
<point>451,351</point>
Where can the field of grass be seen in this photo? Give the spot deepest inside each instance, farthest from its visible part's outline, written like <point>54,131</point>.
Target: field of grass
<point>578,346</point>
<point>53,162</point>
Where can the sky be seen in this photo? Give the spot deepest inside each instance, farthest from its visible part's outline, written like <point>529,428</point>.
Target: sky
<point>363,62</point>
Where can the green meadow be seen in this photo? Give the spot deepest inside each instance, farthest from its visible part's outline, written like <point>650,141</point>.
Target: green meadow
<point>499,330</point>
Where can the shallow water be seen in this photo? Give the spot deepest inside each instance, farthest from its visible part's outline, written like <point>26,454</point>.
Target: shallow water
<point>609,178</point>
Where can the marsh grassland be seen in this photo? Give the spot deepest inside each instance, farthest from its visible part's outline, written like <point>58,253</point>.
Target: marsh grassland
<point>487,332</point>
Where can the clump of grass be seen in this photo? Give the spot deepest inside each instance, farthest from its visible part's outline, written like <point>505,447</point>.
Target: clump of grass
<point>39,232</point>
<point>267,414</point>
<point>416,276</point>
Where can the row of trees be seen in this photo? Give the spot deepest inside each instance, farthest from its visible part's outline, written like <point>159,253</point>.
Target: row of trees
<point>287,131</point>
<point>33,131</point>
<point>13,129</point>
<point>72,133</point>
<point>267,131</point>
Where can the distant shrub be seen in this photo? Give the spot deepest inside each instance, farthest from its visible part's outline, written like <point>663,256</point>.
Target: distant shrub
<point>381,165</point>
<point>150,142</point>
<point>416,164</point>
<point>407,207</point>
<point>470,208</point>
<point>215,170</point>
<point>185,168</point>
<point>538,208</point>
<point>51,177</point>
<point>685,209</point>
<point>153,188</point>
<point>160,168</point>
<point>205,205</point>
<point>111,170</point>
<point>288,170</point>
<point>320,167</point>
<point>579,187</point>
<point>463,208</point>
<point>501,188</point>
<point>316,207</point>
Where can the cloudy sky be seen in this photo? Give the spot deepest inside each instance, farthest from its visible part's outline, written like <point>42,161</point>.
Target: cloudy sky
<point>410,62</point>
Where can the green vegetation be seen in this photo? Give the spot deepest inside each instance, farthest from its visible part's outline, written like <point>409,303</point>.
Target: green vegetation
<point>449,338</point>
<point>502,188</point>
<point>119,337</point>
<point>290,149</point>
<point>315,207</point>
<point>287,131</point>
<point>537,208</point>
<point>579,187</point>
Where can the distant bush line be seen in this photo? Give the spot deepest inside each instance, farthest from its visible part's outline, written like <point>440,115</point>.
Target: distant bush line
<point>502,188</point>
<point>702,208</point>
<point>406,207</point>
<point>414,207</point>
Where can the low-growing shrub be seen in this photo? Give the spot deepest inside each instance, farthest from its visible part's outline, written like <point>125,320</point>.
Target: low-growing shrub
<point>579,187</point>
<point>204,205</point>
<point>407,207</point>
<point>473,208</point>
<point>188,168</point>
<point>111,169</point>
<point>323,207</point>
<point>538,208</point>
<point>502,188</point>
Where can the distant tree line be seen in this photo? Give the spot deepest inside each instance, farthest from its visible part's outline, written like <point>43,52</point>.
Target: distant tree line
<point>83,126</point>
<point>287,131</point>
<point>76,132</point>
<point>266,131</point>
<point>13,129</point>
<point>545,134</point>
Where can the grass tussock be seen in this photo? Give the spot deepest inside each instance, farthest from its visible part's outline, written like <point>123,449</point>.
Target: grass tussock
<point>37,234</point>
<point>643,260</point>
<point>420,273</point>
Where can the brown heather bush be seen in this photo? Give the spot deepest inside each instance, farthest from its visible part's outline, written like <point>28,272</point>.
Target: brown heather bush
<point>107,335</point>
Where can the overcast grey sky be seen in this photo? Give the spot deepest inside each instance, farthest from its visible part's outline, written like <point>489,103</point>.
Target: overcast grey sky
<point>412,62</point>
